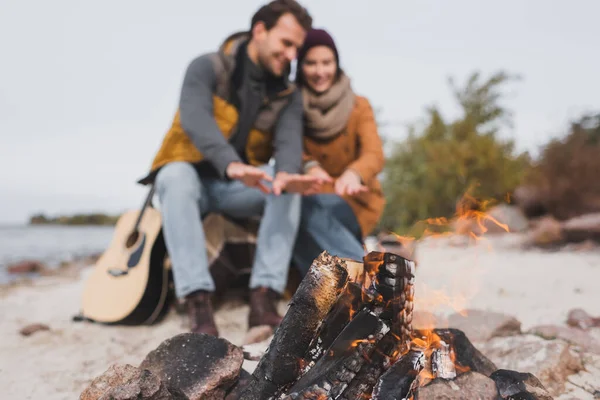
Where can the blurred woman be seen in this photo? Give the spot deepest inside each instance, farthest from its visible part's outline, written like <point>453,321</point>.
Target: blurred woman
<point>343,148</point>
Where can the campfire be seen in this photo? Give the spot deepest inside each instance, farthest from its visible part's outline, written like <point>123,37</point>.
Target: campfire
<point>347,335</point>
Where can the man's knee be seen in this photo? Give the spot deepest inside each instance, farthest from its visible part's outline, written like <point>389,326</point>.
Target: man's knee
<point>179,177</point>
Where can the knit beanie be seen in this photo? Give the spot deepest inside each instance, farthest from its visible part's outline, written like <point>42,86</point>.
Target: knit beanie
<point>314,38</point>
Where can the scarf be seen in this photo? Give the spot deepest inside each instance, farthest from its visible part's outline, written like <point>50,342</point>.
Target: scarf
<point>326,114</point>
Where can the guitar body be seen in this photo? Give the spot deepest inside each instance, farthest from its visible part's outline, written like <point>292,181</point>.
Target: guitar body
<point>129,283</point>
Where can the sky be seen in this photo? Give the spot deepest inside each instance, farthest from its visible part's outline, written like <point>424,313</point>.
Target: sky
<point>88,88</point>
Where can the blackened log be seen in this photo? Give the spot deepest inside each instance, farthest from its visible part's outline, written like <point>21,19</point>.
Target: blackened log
<point>400,380</point>
<point>282,363</point>
<point>467,357</point>
<point>340,363</point>
<point>385,353</point>
<point>519,386</point>
<point>350,302</point>
<point>393,289</point>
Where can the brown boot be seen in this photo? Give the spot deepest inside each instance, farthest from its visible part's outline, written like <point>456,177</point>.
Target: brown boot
<point>263,308</point>
<point>200,312</point>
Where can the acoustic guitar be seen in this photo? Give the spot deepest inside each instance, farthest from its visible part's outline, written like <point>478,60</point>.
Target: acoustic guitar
<point>129,283</point>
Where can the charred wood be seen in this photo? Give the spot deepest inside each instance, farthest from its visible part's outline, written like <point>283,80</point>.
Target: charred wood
<point>466,356</point>
<point>344,359</point>
<point>519,386</point>
<point>314,298</point>
<point>400,380</point>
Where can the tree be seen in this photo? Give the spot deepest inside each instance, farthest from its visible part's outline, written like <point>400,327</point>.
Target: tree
<point>436,165</point>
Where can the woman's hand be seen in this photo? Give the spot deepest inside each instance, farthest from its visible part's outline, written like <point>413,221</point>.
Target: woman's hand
<point>349,183</point>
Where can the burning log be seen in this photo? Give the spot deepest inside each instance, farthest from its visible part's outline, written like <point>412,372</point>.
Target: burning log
<point>400,381</point>
<point>351,349</point>
<point>314,298</point>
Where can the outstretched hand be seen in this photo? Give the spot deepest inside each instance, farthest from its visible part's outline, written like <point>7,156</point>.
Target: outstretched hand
<point>321,176</point>
<point>292,183</point>
<point>249,175</point>
<point>349,183</point>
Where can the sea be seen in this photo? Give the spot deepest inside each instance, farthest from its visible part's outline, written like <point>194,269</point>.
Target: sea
<point>50,244</point>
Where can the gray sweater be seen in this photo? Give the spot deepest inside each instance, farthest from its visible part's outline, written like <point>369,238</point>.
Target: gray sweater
<point>197,118</point>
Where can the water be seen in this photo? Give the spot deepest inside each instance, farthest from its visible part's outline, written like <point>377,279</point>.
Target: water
<point>50,244</point>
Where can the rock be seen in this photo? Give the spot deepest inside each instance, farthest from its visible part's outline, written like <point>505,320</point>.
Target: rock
<point>582,228</point>
<point>551,361</point>
<point>481,325</point>
<point>33,328</point>
<point>546,232</point>
<point>578,318</point>
<point>576,337</point>
<point>126,382</point>
<point>530,200</point>
<point>511,217</point>
<point>519,385</point>
<point>589,379</point>
<point>201,366</point>
<point>468,386</point>
<point>26,267</point>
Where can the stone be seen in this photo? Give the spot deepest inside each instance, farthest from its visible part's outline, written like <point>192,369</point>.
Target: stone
<point>579,318</point>
<point>481,325</point>
<point>519,385</point>
<point>551,361</point>
<point>201,366</point>
<point>574,336</point>
<point>546,233</point>
<point>25,267</point>
<point>468,386</point>
<point>582,228</point>
<point>510,217</point>
<point>33,328</point>
<point>126,382</point>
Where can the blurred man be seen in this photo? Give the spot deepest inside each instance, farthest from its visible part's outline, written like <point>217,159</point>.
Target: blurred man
<point>237,109</point>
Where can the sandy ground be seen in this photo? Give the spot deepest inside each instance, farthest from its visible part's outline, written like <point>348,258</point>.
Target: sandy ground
<point>494,274</point>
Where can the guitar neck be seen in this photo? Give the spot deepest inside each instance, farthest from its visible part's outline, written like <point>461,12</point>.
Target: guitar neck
<point>144,206</point>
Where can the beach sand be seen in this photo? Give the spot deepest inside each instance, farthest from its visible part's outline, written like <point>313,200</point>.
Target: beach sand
<point>537,287</point>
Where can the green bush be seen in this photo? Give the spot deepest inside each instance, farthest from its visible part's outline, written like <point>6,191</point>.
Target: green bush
<point>428,173</point>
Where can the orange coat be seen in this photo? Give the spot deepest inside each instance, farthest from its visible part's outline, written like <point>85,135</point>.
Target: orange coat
<point>358,147</point>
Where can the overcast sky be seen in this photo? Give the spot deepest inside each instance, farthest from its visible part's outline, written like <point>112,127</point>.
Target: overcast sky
<point>89,88</point>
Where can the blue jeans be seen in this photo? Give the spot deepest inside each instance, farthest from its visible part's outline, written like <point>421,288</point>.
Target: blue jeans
<point>184,197</point>
<point>327,223</point>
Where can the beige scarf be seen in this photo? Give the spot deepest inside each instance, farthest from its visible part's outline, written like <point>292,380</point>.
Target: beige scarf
<point>326,114</point>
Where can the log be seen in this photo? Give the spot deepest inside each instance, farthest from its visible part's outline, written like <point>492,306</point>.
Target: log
<point>400,381</point>
<point>466,356</point>
<point>340,363</point>
<point>381,359</point>
<point>282,363</point>
<point>350,302</point>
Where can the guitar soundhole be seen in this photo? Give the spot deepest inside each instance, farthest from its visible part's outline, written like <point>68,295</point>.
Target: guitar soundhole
<point>132,239</point>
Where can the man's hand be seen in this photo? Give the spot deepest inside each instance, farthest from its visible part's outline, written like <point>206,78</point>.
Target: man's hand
<point>249,175</point>
<point>321,177</point>
<point>349,183</point>
<point>293,183</point>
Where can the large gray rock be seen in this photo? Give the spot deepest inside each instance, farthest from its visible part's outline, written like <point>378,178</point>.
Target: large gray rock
<point>202,366</point>
<point>126,382</point>
<point>551,361</point>
<point>576,337</point>
<point>481,325</point>
<point>468,386</point>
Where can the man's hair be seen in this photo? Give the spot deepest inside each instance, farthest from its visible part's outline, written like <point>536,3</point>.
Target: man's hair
<point>270,13</point>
